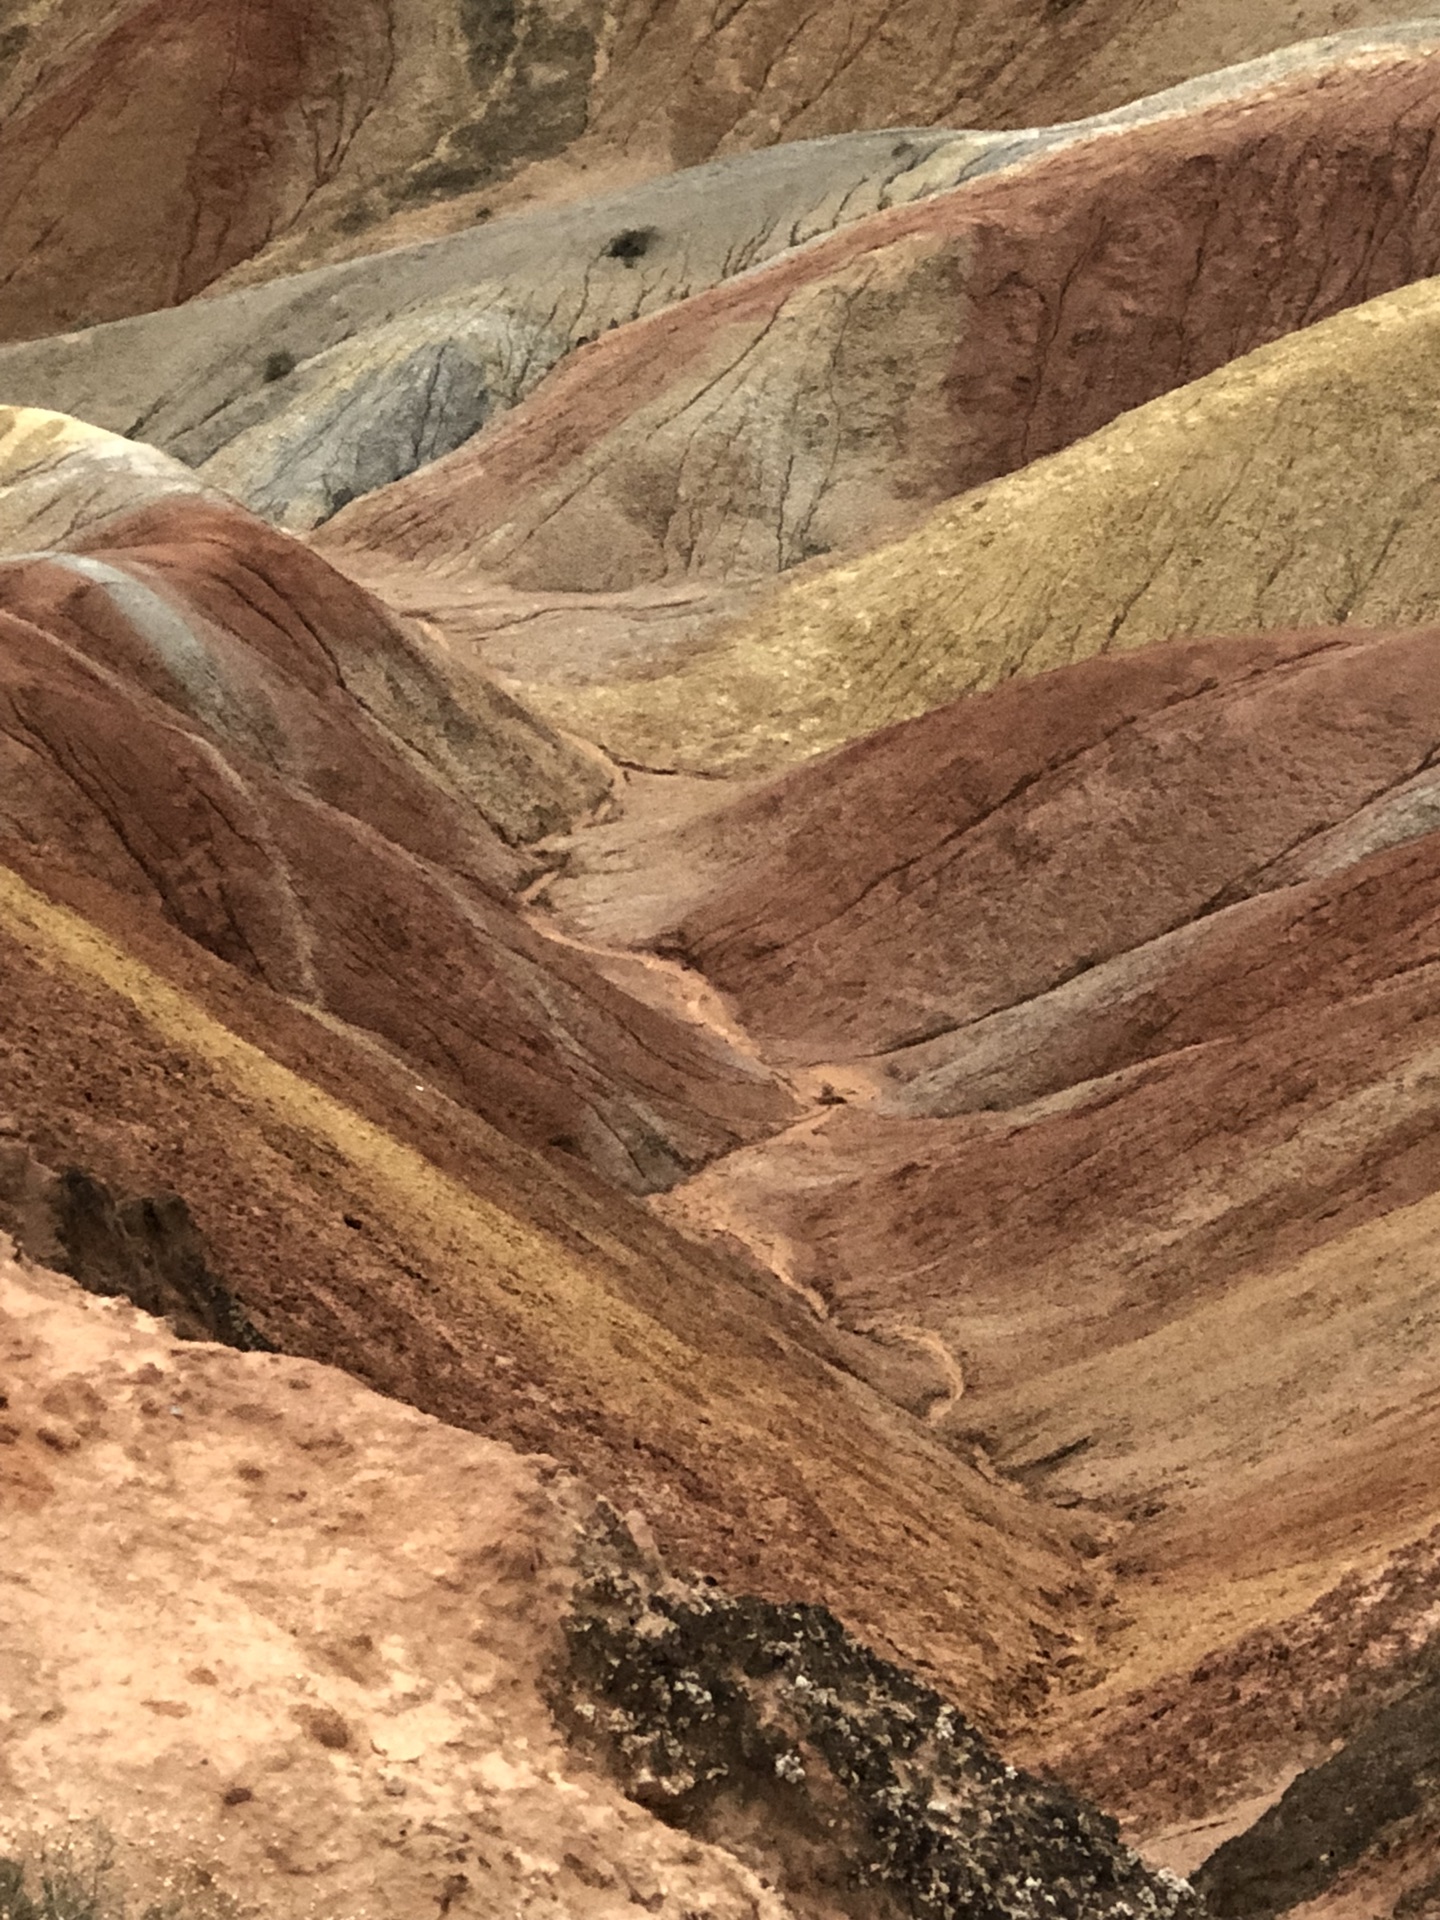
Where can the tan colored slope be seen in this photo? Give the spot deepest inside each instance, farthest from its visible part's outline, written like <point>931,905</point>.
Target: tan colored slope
<point>287,1639</point>
<point>364,1219</point>
<point>61,479</point>
<point>1298,486</point>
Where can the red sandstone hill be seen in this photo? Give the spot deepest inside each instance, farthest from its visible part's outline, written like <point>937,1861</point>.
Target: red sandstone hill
<point>150,145</point>
<point>984,1181</point>
<point>827,399</point>
<point>205,718</point>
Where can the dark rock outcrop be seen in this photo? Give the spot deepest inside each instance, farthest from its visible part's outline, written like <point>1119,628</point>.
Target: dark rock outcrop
<point>1381,1782</point>
<point>851,1783</point>
<point>144,1248</point>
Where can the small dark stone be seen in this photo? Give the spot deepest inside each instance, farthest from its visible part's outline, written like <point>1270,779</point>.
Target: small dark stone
<point>324,1724</point>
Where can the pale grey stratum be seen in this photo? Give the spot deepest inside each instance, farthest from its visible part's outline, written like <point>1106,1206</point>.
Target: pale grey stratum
<point>300,395</point>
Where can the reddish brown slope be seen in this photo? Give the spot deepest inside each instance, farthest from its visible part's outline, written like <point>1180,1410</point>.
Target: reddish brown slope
<point>201,715</point>
<point>966,862</point>
<point>150,145</point>
<point>162,142</point>
<point>1163,1180</point>
<point>821,402</point>
<point>378,1225</point>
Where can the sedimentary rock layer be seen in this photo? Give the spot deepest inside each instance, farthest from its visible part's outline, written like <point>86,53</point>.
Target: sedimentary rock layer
<point>61,479</point>
<point>206,718</point>
<point>1297,486</point>
<point>834,397</point>
<point>148,148</point>
<point>364,1218</point>
<point>1114,988</point>
<point>304,393</point>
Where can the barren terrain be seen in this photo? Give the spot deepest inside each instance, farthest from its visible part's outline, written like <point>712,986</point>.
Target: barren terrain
<point>720,958</point>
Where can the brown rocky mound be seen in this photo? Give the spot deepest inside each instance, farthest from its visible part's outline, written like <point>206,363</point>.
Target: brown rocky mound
<point>205,717</point>
<point>819,404</point>
<point>134,123</point>
<point>366,1220</point>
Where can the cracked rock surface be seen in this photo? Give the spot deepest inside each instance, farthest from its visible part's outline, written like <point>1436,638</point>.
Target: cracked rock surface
<point>829,400</point>
<point>150,147</point>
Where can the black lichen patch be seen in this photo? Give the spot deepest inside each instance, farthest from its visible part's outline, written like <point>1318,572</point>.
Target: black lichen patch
<point>847,1781</point>
<point>278,366</point>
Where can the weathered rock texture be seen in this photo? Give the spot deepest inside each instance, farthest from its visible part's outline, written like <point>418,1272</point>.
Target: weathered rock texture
<point>212,723</point>
<point>138,1247</point>
<point>366,1219</point>
<point>1172,883</point>
<point>863,1791</point>
<point>1036,1098</point>
<point>368,1618</point>
<point>1267,495</point>
<point>60,480</point>
<point>813,407</point>
<point>1192,776</point>
<point>148,148</point>
<point>288,1638</point>
<point>1192,1757</point>
<point>300,394</point>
